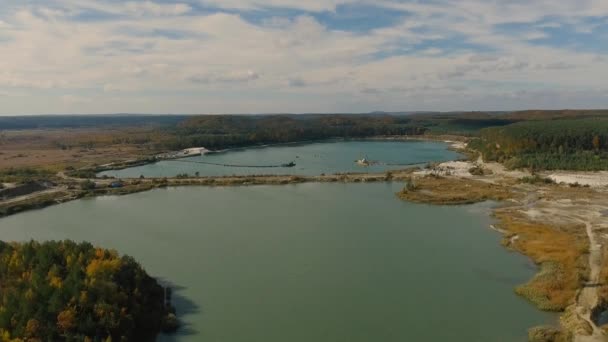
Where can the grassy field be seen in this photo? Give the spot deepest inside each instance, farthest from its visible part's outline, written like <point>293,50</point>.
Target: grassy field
<point>57,149</point>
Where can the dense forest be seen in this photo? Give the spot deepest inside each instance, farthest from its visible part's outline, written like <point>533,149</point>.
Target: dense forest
<point>221,131</point>
<point>561,143</point>
<point>64,291</point>
<point>563,139</point>
<point>86,121</point>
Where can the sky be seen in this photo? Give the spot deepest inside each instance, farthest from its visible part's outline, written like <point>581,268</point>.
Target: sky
<point>301,56</point>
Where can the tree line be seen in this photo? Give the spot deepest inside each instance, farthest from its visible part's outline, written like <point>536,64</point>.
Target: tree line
<point>65,291</point>
<point>574,144</point>
<point>216,132</point>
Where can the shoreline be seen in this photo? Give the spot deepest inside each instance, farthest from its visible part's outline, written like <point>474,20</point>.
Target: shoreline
<point>66,191</point>
<point>534,220</point>
<point>134,185</point>
<point>560,227</point>
<point>122,165</point>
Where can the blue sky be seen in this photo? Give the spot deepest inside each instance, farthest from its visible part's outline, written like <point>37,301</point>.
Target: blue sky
<point>274,56</point>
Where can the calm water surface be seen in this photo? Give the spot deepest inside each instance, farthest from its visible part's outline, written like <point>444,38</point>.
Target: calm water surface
<point>310,262</point>
<point>311,159</point>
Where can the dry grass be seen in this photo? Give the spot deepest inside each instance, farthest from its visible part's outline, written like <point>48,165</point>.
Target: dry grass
<point>56,149</point>
<point>561,251</point>
<point>448,191</point>
<point>547,334</point>
<point>603,289</point>
<point>561,254</point>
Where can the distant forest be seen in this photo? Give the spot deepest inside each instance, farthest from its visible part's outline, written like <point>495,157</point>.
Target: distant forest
<point>537,139</point>
<point>216,132</point>
<point>86,121</point>
<point>567,143</point>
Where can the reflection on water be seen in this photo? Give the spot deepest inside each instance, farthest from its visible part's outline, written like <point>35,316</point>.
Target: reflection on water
<point>310,159</point>
<point>312,262</point>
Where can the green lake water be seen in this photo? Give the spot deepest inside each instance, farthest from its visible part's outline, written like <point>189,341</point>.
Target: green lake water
<point>308,262</point>
<point>311,159</point>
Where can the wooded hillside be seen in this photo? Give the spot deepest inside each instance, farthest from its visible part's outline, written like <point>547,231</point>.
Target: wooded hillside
<point>64,291</point>
<point>573,144</point>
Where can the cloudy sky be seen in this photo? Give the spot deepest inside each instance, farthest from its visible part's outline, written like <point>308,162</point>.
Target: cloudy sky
<point>253,56</point>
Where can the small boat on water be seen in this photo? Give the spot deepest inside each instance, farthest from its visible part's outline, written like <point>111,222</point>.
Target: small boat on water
<point>290,164</point>
<point>363,162</point>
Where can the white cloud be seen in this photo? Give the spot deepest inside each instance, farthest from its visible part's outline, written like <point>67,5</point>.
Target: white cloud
<point>74,99</point>
<point>230,77</point>
<point>307,5</point>
<point>151,8</point>
<point>432,51</point>
<point>220,62</point>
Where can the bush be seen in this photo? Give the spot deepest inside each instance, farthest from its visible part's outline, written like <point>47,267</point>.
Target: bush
<point>410,185</point>
<point>388,176</point>
<point>544,334</point>
<point>87,185</point>
<point>24,175</point>
<point>477,170</point>
<point>82,174</point>
<point>536,179</point>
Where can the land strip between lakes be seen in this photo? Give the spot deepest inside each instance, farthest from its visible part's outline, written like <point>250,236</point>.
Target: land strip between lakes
<point>563,228</point>
<point>66,188</point>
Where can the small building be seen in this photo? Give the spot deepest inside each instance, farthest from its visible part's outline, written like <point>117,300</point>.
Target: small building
<point>188,152</point>
<point>116,185</point>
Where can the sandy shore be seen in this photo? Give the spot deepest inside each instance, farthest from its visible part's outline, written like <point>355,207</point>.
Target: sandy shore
<point>563,229</point>
<point>593,179</point>
<point>549,223</point>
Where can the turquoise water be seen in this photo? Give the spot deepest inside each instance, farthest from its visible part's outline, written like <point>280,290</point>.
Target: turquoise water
<point>311,159</point>
<point>309,262</point>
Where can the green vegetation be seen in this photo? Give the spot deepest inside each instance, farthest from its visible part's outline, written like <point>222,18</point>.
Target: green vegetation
<point>536,179</point>
<point>87,185</point>
<point>547,334</point>
<point>82,173</point>
<point>84,121</point>
<point>465,124</point>
<point>410,185</point>
<point>574,139</point>
<point>478,170</point>
<point>573,144</point>
<point>24,175</point>
<point>36,202</point>
<point>217,132</point>
<point>64,291</point>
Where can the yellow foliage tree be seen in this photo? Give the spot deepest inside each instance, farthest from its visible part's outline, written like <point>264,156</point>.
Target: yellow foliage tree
<point>596,142</point>
<point>5,336</point>
<point>101,268</point>
<point>56,282</point>
<point>66,320</point>
<point>32,328</point>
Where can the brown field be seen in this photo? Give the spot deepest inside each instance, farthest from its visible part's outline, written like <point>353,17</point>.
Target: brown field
<point>442,190</point>
<point>60,148</point>
<point>561,254</point>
